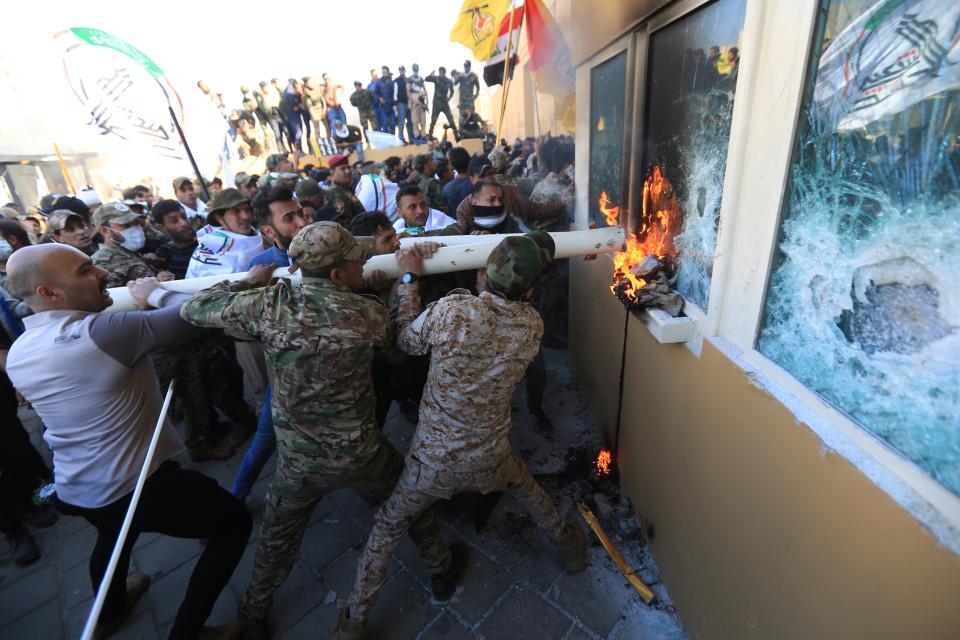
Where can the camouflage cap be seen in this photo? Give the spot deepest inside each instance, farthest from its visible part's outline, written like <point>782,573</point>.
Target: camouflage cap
<point>498,158</point>
<point>58,219</point>
<point>226,199</point>
<point>306,188</point>
<point>515,264</point>
<point>321,244</point>
<point>114,212</point>
<point>243,179</point>
<point>179,180</point>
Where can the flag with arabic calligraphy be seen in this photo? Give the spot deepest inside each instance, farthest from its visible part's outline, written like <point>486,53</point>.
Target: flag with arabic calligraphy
<point>896,54</point>
<point>124,91</point>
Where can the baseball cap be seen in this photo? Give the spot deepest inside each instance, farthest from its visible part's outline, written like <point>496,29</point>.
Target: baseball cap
<point>515,264</point>
<point>59,218</point>
<point>72,204</point>
<point>135,204</point>
<point>46,202</point>
<point>179,180</point>
<point>321,244</point>
<point>337,160</point>
<point>306,188</point>
<point>114,212</point>
<point>478,165</point>
<point>89,197</point>
<point>226,199</point>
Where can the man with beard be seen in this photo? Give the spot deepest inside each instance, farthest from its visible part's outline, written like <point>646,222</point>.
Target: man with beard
<point>67,227</point>
<point>416,218</point>
<point>247,185</point>
<point>320,339</point>
<point>279,217</point>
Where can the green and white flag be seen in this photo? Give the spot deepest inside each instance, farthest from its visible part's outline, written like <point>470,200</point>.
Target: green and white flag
<point>896,54</point>
<point>126,94</point>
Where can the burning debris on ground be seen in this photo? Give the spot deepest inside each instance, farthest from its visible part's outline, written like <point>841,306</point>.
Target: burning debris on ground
<point>645,273</point>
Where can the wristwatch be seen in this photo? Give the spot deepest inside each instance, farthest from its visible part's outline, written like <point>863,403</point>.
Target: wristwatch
<point>409,277</point>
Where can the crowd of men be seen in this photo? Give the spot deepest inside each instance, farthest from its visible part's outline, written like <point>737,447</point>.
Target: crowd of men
<point>282,117</point>
<point>308,370</point>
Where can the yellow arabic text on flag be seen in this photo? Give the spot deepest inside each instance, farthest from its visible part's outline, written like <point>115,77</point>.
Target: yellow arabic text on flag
<point>476,26</point>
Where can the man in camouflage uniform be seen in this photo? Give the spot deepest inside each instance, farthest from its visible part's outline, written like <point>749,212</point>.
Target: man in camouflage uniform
<point>469,90</point>
<point>417,102</point>
<point>480,347</point>
<point>341,196</point>
<point>319,338</point>
<point>123,264</point>
<point>428,184</point>
<point>363,101</point>
<point>442,92</point>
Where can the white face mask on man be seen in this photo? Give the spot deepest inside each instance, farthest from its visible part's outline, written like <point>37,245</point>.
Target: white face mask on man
<point>133,238</point>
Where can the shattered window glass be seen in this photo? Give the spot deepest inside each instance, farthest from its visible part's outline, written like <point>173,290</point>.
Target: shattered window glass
<point>607,104</point>
<point>693,70</point>
<point>863,303</point>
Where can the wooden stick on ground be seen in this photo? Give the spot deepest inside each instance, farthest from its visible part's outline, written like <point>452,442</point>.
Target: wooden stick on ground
<point>631,575</point>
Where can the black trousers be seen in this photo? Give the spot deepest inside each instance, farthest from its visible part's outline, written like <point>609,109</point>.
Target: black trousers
<point>22,469</point>
<point>182,503</point>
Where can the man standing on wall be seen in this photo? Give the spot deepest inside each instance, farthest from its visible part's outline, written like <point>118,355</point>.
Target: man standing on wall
<point>442,92</point>
<point>469,90</point>
<point>417,103</point>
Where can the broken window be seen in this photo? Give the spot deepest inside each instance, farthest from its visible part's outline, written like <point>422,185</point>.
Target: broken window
<point>862,304</point>
<point>693,70</point>
<point>607,104</point>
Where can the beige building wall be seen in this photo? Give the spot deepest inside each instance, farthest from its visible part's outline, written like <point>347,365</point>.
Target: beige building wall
<point>770,515</point>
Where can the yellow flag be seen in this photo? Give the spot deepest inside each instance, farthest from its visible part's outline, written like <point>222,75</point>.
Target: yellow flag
<point>476,26</point>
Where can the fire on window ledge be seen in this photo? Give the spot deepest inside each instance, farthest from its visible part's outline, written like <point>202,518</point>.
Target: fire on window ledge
<point>645,272</point>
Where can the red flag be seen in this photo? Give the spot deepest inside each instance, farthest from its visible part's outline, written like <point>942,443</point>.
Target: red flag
<point>550,60</point>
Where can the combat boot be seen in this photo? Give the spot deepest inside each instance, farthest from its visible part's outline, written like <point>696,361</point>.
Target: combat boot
<point>444,584</point>
<point>349,628</point>
<point>572,547</point>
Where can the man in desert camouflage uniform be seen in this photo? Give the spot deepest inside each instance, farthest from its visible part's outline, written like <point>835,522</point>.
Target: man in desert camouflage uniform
<point>319,339</point>
<point>480,347</point>
<point>417,102</point>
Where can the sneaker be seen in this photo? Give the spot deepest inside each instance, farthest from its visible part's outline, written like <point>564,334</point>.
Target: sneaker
<point>23,547</point>
<point>444,584</point>
<point>222,632</point>
<point>137,585</point>
<point>215,452</point>
<point>572,548</point>
<point>348,628</point>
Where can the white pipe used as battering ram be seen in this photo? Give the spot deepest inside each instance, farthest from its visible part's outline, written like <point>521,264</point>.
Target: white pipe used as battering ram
<point>457,256</point>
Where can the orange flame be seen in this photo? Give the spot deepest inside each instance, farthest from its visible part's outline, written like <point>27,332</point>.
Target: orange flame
<point>602,462</point>
<point>659,222</point>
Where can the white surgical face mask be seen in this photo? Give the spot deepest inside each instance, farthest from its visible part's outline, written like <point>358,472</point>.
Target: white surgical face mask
<point>5,249</point>
<point>134,238</point>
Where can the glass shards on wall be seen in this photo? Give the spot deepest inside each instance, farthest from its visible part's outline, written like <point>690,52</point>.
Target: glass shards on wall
<point>863,304</point>
<point>607,104</point>
<point>693,71</point>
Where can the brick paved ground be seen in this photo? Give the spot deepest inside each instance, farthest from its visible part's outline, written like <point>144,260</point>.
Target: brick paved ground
<point>514,588</point>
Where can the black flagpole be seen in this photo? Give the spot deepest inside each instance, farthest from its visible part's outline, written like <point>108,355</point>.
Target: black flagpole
<point>183,139</point>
